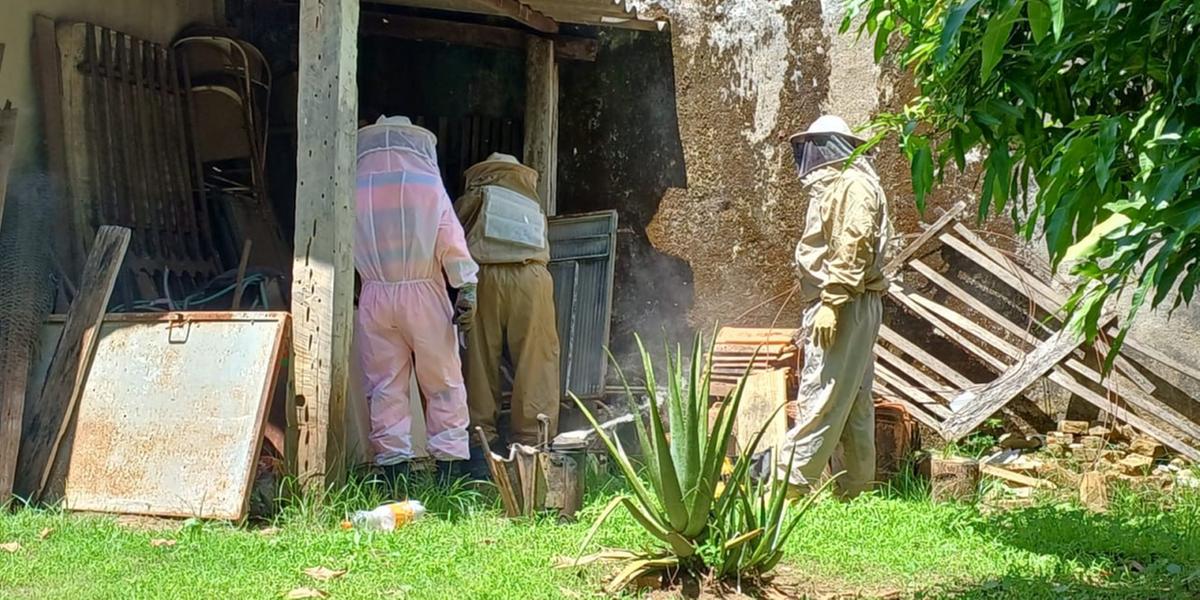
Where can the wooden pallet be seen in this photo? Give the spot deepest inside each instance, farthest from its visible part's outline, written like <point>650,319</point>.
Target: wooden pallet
<point>958,307</point>
<point>737,349</point>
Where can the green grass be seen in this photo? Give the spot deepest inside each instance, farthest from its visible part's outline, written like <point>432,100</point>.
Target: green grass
<point>1147,546</point>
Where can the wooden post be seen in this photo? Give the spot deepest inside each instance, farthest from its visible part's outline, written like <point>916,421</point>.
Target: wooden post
<point>541,118</point>
<point>322,268</point>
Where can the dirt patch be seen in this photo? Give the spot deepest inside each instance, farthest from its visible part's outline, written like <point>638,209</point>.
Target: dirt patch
<point>785,583</point>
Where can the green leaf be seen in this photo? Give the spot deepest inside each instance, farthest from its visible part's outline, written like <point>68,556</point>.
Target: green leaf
<point>1057,17</point>
<point>954,22</point>
<point>922,171</point>
<point>1039,19</point>
<point>1172,178</point>
<point>994,40</point>
<point>1108,151</point>
<point>1087,244</point>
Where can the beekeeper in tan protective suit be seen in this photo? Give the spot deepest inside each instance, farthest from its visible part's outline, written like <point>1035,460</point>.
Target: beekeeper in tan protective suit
<point>506,233</point>
<point>839,261</point>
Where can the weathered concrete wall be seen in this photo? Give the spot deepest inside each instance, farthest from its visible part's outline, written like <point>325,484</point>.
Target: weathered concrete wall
<point>155,20</point>
<point>619,149</point>
<point>748,74</point>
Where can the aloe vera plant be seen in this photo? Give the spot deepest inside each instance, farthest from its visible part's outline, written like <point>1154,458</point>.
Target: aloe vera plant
<point>735,526</point>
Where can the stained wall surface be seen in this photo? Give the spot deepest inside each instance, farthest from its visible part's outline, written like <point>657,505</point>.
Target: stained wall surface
<point>155,20</point>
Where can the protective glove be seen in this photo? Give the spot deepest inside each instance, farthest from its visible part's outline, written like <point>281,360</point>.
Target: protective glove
<point>464,307</point>
<point>824,327</point>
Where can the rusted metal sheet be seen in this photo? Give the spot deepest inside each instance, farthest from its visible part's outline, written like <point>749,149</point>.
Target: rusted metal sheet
<point>171,418</point>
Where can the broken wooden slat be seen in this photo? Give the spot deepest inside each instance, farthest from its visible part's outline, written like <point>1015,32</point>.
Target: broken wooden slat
<point>46,423</point>
<point>931,385</point>
<point>1131,391</point>
<point>919,397</point>
<point>8,138</point>
<point>925,358</point>
<point>763,393</point>
<point>934,230</point>
<point>1014,477</point>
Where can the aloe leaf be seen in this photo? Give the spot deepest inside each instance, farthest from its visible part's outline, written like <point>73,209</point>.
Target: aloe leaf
<point>697,430</point>
<point>679,545</point>
<point>620,458</point>
<point>643,435</point>
<point>672,496</point>
<point>600,520</point>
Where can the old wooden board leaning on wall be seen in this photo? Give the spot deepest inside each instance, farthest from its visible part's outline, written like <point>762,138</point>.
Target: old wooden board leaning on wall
<point>1020,342</point>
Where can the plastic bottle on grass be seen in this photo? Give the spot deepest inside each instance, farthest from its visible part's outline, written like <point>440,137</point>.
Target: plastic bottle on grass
<point>387,517</point>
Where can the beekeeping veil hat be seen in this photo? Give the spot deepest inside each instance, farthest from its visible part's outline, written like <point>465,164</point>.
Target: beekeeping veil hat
<point>827,141</point>
<point>399,134</point>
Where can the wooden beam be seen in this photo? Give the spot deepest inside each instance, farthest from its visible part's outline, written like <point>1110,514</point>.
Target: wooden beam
<point>421,29</point>
<point>541,119</point>
<point>521,13</point>
<point>945,371</point>
<point>1017,478</point>
<point>971,409</point>
<point>897,262</point>
<point>8,143</point>
<point>47,73</point>
<point>45,423</point>
<point>322,269</point>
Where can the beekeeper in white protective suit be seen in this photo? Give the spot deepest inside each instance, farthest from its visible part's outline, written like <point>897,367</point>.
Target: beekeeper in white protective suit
<point>408,245</point>
<point>839,261</point>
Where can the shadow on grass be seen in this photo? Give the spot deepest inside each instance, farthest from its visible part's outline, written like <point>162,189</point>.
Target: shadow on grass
<point>1146,546</point>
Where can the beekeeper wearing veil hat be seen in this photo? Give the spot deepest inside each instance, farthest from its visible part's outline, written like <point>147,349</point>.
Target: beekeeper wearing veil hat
<point>839,262</point>
<point>506,232</point>
<point>408,244</point>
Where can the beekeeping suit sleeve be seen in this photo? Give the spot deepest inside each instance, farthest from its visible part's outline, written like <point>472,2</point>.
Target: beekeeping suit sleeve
<point>853,219</point>
<point>452,250</point>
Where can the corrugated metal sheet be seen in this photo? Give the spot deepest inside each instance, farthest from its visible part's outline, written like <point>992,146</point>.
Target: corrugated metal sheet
<point>582,258</point>
<point>172,413</point>
<point>614,13</point>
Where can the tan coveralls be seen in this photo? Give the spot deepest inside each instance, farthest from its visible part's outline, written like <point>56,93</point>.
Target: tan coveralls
<point>515,306</point>
<point>840,261</point>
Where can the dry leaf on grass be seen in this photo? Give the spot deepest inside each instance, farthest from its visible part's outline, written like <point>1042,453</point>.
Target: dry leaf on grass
<point>161,543</point>
<point>324,573</point>
<point>45,533</point>
<point>10,547</point>
<point>305,592</point>
<point>268,531</point>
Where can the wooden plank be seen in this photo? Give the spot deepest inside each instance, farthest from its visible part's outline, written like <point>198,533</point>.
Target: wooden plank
<point>763,394</point>
<point>47,75</point>
<point>1014,477</point>
<point>46,423</point>
<point>931,385</point>
<point>1128,390</point>
<point>1045,298</point>
<point>521,13</point>
<point>541,119</point>
<point>911,397</point>
<point>945,371</point>
<point>972,408</point>
<point>952,334</point>
<point>934,230</point>
<point>8,139</point>
<point>898,383</point>
<point>322,269</point>
<point>1121,381</point>
<point>422,29</point>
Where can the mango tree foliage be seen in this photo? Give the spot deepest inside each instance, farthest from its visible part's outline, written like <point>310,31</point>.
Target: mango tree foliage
<point>1097,101</point>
